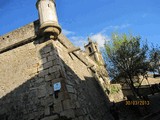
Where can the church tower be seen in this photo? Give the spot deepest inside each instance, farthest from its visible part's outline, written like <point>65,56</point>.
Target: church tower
<point>48,18</point>
<point>93,51</point>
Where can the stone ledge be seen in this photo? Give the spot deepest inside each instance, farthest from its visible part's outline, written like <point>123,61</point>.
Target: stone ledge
<point>20,36</point>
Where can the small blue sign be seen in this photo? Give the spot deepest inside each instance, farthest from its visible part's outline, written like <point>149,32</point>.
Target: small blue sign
<point>57,86</point>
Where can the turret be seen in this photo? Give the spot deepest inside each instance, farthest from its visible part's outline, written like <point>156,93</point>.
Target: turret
<point>48,18</point>
<point>93,51</point>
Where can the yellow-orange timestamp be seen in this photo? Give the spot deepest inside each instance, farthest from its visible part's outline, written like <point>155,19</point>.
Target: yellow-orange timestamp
<point>137,102</point>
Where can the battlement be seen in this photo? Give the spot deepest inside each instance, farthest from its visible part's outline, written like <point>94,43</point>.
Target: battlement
<point>19,36</point>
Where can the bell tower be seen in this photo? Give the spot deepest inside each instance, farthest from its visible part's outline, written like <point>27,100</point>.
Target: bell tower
<point>48,18</point>
<point>93,51</point>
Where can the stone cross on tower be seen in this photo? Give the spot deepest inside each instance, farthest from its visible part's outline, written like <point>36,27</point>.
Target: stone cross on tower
<point>48,18</point>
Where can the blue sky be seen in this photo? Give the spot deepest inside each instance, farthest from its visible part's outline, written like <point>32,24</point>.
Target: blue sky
<point>95,18</point>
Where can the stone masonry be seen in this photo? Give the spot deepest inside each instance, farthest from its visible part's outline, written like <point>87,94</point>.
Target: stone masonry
<point>31,64</point>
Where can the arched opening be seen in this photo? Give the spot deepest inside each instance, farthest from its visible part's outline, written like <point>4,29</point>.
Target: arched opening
<point>96,48</point>
<point>90,50</point>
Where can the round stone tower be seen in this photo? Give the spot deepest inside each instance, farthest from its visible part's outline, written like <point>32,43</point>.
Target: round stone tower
<point>48,18</point>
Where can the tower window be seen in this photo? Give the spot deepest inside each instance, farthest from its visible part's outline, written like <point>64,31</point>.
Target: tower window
<point>96,48</point>
<point>90,50</point>
<point>48,5</point>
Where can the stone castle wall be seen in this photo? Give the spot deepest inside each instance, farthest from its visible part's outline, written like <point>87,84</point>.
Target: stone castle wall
<point>31,65</point>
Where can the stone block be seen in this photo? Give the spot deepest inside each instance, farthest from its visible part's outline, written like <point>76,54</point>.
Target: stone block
<point>43,73</point>
<point>67,104</point>
<point>47,101</point>
<point>50,58</point>
<point>52,52</point>
<point>79,112</point>
<point>49,77</point>
<point>50,90</point>
<point>47,65</point>
<point>75,119</point>
<point>47,49</point>
<point>31,116</point>
<point>39,80</point>
<point>77,104</point>
<point>58,107</point>
<point>85,111</point>
<point>47,110</point>
<point>52,69</point>
<point>68,81</point>
<point>56,62</point>
<point>44,60</point>
<point>57,74</point>
<point>80,118</point>
<point>45,55</point>
<point>68,113</point>
<point>41,91</point>
<point>50,117</point>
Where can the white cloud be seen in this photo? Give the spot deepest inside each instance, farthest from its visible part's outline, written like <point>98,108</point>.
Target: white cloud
<point>115,27</point>
<point>78,41</point>
<point>100,38</point>
<point>67,32</point>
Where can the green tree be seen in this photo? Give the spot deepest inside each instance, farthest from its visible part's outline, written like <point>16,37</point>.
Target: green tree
<point>127,60</point>
<point>155,59</point>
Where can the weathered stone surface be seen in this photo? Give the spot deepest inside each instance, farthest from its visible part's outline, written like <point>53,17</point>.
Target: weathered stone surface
<point>47,49</point>
<point>49,77</point>
<point>47,110</point>
<point>47,65</point>
<point>57,74</point>
<point>79,112</point>
<point>50,90</point>
<point>45,55</point>
<point>58,107</point>
<point>80,118</point>
<point>50,58</point>
<point>47,101</point>
<point>77,105</point>
<point>68,113</point>
<point>44,60</point>
<point>18,36</point>
<point>53,69</point>
<point>39,80</point>
<point>50,117</point>
<point>43,73</point>
<point>67,104</point>
<point>42,91</point>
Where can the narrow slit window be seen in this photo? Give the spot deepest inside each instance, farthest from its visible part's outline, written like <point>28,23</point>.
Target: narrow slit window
<point>90,50</point>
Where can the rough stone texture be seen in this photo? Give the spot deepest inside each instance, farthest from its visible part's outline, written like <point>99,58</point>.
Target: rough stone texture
<point>29,71</point>
<point>21,35</point>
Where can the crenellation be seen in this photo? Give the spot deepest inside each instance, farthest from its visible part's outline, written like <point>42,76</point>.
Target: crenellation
<point>19,36</point>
